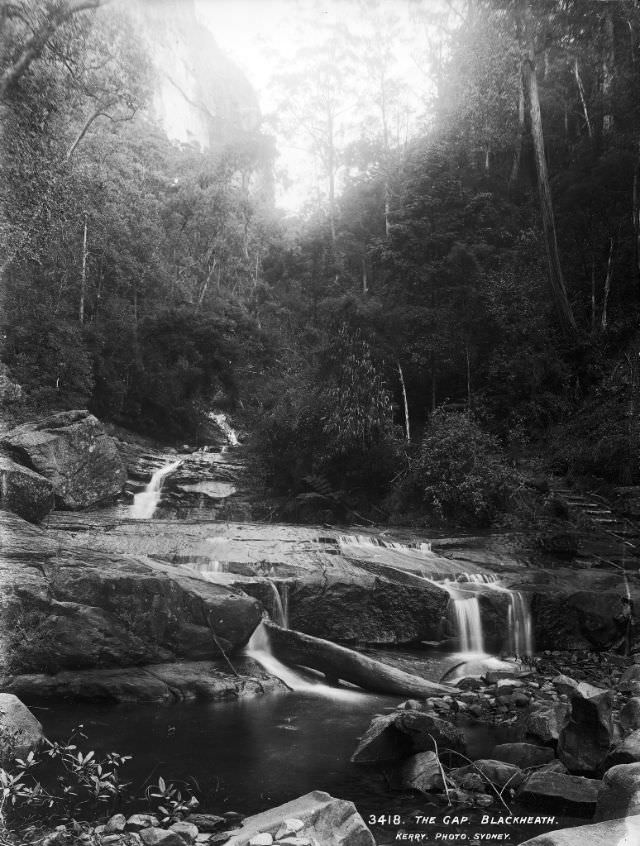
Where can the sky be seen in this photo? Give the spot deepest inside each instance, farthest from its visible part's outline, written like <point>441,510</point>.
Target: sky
<point>262,36</point>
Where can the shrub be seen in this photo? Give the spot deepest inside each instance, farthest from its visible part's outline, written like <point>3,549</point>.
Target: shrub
<point>460,470</point>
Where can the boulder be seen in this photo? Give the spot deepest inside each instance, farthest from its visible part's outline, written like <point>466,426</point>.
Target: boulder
<point>628,678</point>
<point>546,721</point>
<point>79,609</point>
<point>564,684</point>
<point>622,832</point>
<point>27,494</point>
<point>20,732</point>
<point>187,831</point>
<point>160,837</point>
<point>137,822</point>
<point>422,772</point>
<point>587,735</point>
<point>207,822</point>
<point>327,822</point>
<point>630,714</point>
<point>424,728</point>
<point>382,742</point>
<point>626,752</point>
<point>499,773</point>
<point>73,451</point>
<point>574,793</point>
<point>523,755</point>
<point>115,824</point>
<point>619,795</point>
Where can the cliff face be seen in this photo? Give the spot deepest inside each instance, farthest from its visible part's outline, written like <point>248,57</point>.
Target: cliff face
<point>200,95</point>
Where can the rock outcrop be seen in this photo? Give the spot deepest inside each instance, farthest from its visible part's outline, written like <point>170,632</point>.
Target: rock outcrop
<point>619,795</point>
<point>64,610</point>
<point>73,451</point>
<point>27,494</point>
<point>325,821</point>
<point>20,732</point>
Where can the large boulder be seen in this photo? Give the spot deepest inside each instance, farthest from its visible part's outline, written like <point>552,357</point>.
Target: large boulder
<point>545,722</point>
<point>425,729</point>
<point>326,822</point>
<point>626,752</point>
<point>76,609</point>
<point>622,832</point>
<point>523,755</point>
<point>26,493</point>
<point>573,793</point>
<point>382,742</point>
<point>585,739</point>
<point>73,451</point>
<point>422,772</point>
<point>630,714</point>
<point>20,732</point>
<point>499,773</point>
<point>619,795</point>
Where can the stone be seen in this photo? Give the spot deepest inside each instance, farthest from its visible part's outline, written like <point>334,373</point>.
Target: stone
<point>422,772</point>
<point>207,822</point>
<point>327,821</point>
<point>545,723</point>
<point>626,752</point>
<point>24,492</point>
<point>423,729</point>
<point>20,732</point>
<point>115,824</point>
<point>111,839</point>
<point>473,782</point>
<point>187,831</point>
<point>619,795</point>
<point>523,755</point>
<point>290,826</point>
<point>264,839</point>
<point>564,684</point>
<point>160,837</point>
<point>381,742</point>
<point>621,832</point>
<point>628,677</point>
<point>73,451</point>
<point>575,793</point>
<point>84,609</point>
<point>137,822</point>
<point>630,714</point>
<point>499,773</point>
<point>585,738</point>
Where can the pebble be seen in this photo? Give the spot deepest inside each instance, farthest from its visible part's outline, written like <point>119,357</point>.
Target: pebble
<point>263,839</point>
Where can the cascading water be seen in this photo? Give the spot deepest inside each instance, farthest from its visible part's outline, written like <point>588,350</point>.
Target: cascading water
<point>468,621</point>
<point>520,624</point>
<point>145,503</point>
<point>223,424</point>
<point>280,613</point>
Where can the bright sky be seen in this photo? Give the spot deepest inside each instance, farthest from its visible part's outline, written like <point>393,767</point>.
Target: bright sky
<point>261,35</point>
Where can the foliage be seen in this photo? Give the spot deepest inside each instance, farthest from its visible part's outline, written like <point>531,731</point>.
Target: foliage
<point>460,470</point>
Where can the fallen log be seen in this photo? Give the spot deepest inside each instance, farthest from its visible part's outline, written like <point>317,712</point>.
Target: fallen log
<point>338,662</point>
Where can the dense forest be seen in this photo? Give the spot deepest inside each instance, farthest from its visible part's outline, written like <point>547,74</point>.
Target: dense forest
<point>459,303</point>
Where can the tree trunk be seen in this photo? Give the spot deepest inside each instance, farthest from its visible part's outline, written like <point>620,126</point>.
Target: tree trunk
<point>556,279</point>
<point>515,169</point>
<point>83,277</point>
<point>405,403</point>
<point>607,284</point>
<point>608,69</point>
<point>593,292</point>
<point>365,281</point>
<point>433,380</point>
<point>468,362</point>
<point>576,71</point>
<point>338,662</point>
<point>635,212</point>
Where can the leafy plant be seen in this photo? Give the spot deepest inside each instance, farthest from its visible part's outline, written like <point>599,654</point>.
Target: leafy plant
<point>173,802</point>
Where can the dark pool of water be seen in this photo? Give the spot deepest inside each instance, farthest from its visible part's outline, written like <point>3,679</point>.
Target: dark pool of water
<point>257,753</point>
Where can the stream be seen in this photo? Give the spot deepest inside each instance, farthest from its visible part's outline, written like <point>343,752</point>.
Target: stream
<point>250,754</point>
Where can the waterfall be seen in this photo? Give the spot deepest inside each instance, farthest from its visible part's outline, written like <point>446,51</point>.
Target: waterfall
<point>223,424</point>
<point>468,622</point>
<point>280,614</point>
<point>376,541</point>
<point>520,624</point>
<point>145,503</point>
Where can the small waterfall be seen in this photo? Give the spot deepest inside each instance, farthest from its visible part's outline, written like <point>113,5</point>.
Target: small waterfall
<point>145,503</point>
<point>223,424</point>
<point>377,541</point>
<point>520,624</point>
<point>468,622</point>
<point>280,614</point>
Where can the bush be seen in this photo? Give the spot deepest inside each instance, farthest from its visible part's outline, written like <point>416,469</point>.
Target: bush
<point>460,471</point>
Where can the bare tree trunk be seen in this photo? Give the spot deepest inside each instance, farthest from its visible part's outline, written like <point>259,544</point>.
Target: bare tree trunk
<point>387,209</point>
<point>83,277</point>
<point>576,71</point>
<point>515,169</point>
<point>608,70</point>
<point>607,284</point>
<point>468,362</point>
<point>365,281</point>
<point>556,279</point>
<point>405,403</point>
